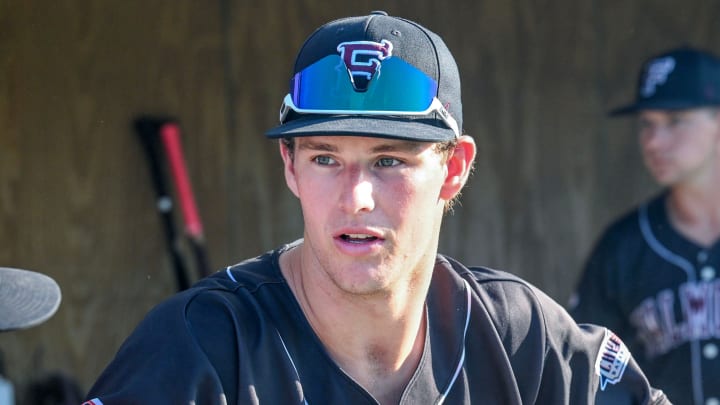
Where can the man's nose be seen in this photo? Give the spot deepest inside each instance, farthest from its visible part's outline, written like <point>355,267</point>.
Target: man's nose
<point>653,136</point>
<point>358,191</point>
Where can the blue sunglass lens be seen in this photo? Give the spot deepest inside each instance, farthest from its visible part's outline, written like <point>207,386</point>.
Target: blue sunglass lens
<point>395,86</point>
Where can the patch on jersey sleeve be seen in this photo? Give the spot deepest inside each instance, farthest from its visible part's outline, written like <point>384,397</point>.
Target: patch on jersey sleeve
<point>612,360</point>
<point>94,401</point>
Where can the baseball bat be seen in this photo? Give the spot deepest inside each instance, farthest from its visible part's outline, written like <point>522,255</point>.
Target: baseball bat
<point>170,134</point>
<point>147,128</point>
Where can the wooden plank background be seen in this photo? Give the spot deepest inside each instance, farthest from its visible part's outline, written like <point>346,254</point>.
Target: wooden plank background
<point>75,196</point>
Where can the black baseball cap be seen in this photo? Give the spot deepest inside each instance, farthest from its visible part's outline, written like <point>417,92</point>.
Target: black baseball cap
<point>677,79</point>
<point>373,75</point>
<point>27,298</point>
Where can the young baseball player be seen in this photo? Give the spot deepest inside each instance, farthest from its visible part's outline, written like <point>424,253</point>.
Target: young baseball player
<point>363,309</point>
<point>652,277</point>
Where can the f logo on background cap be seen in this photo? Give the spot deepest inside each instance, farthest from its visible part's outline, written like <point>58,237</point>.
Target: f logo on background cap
<point>363,58</point>
<point>657,74</point>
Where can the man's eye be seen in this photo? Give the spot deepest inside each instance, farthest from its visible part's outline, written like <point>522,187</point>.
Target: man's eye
<point>388,162</point>
<point>643,124</point>
<point>675,121</point>
<point>324,160</point>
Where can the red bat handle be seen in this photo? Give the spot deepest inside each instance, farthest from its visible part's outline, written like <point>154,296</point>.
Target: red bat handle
<point>170,133</point>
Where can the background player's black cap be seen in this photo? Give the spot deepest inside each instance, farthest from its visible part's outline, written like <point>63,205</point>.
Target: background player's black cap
<point>27,298</point>
<point>677,79</point>
<point>380,37</point>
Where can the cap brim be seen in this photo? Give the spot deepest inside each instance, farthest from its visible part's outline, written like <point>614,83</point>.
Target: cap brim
<point>425,130</point>
<point>27,298</point>
<point>659,105</point>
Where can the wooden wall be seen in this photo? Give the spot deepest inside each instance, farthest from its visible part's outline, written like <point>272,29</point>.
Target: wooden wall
<point>76,201</point>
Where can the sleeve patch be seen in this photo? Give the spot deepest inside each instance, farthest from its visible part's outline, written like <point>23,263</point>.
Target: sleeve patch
<point>94,401</point>
<point>612,360</point>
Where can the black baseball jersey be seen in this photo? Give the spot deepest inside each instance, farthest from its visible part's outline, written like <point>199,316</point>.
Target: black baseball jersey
<point>240,337</point>
<point>659,292</point>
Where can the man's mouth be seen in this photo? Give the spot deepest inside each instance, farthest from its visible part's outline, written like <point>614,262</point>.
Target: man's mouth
<point>357,237</point>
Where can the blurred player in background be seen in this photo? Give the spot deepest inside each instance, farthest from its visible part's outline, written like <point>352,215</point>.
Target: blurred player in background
<point>27,299</point>
<point>652,277</point>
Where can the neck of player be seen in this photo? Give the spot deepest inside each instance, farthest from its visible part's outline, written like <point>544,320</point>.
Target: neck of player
<point>694,209</point>
<point>377,339</point>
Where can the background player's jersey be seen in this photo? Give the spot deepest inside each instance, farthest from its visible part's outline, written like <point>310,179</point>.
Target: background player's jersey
<point>240,337</point>
<point>660,293</point>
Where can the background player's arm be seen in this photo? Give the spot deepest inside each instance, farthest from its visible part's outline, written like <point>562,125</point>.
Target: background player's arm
<point>596,298</point>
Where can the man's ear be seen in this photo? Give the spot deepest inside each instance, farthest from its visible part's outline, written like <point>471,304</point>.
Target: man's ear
<point>458,166</point>
<point>289,167</point>
<point>715,113</point>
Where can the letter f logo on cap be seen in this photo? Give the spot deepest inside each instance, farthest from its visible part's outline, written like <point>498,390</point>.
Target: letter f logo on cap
<point>657,74</point>
<point>363,58</point>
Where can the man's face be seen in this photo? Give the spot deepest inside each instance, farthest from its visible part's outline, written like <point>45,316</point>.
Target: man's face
<point>372,208</point>
<point>680,146</point>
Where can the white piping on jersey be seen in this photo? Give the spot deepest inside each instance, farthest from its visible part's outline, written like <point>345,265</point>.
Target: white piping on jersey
<point>229,274</point>
<point>689,270</point>
<point>661,250</point>
<point>458,368</point>
<point>287,353</point>
<point>460,364</point>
